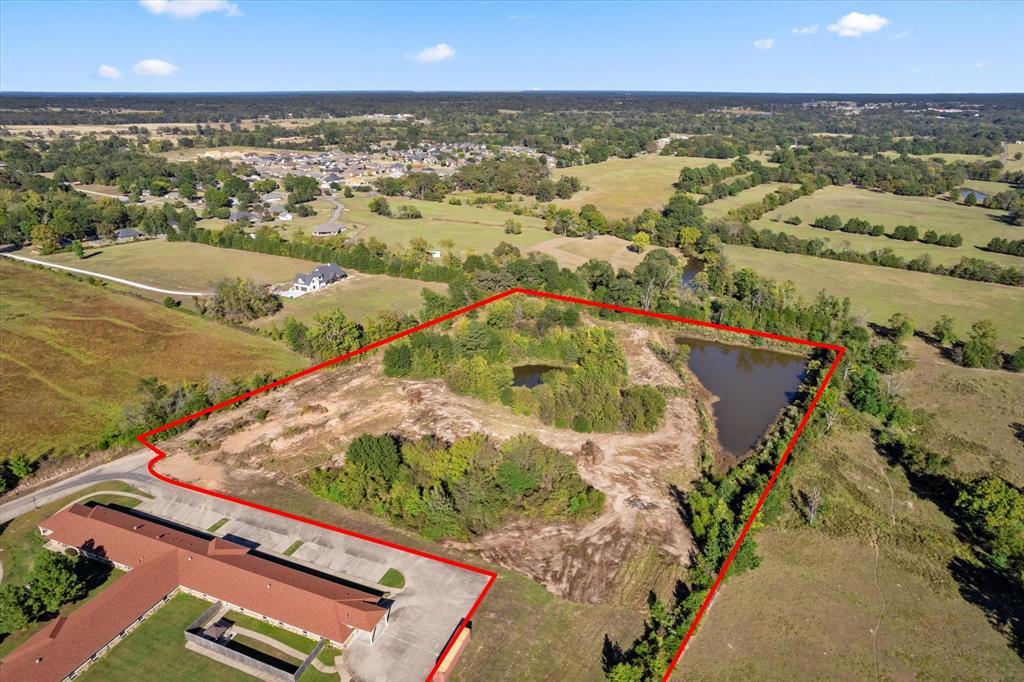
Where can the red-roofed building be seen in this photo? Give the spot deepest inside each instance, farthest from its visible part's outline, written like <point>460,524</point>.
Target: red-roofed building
<point>161,561</point>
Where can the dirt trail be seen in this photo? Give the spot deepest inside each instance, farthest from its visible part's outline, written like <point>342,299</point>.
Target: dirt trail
<point>313,419</point>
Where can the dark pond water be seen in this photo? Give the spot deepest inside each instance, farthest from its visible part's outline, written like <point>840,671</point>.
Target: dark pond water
<point>529,375</point>
<point>690,270</point>
<point>752,386</point>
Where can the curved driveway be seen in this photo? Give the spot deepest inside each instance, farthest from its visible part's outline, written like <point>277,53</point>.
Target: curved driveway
<point>98,275</point>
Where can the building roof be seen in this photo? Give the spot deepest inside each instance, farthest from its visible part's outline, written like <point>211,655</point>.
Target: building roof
<point>329,272</point>
<point>127,232</point>
<point>328,228</point>
<point>161,558</point>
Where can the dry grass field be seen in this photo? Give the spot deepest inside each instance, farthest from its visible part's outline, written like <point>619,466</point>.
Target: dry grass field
<point>71,356</point>
<point>621,188</point>
<point>572,252</point>
<point>182,265</point>
<point>472,228</point>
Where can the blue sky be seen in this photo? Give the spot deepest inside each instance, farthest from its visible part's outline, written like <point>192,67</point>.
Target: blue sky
<point>239,45</point>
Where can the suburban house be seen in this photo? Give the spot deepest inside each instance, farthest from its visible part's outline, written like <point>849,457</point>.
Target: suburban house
<point>327,230</point>
<point>161,561</point>
<point>321,276</point>
<point>284,216</point>
<point>127,234</point>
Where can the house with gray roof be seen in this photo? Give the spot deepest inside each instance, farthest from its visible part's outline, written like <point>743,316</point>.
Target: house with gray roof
<point>322,275</point>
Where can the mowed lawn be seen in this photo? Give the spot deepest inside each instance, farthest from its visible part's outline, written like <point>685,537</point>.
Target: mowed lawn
<point>71,356</point>
<point>472,228</point>
<point>359,296</point>
<point>156,650</point>
<point>977,225</point>
<point>621,188</point>
<point>879,292</point>
<point>182,266</point>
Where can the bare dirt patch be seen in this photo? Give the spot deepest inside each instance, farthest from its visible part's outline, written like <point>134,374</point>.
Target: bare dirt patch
<point>310,422</point>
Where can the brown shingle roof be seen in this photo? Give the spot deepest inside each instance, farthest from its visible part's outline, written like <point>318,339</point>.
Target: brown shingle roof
<point>162,558</point>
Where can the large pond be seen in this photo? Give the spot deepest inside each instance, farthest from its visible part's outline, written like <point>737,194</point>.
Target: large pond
<point>529,376</point>
<point>692,268</point>
<point>752,385</point>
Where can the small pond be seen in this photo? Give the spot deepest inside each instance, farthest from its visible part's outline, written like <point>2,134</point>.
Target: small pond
<point>529,376</point>
<point>692,268</point>
<point>752,385</point>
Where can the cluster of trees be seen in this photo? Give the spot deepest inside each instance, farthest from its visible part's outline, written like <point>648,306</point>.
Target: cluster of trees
<point>907,233</point>
<point>587,388</point>
<point>515,175</point>
<point>34,208</point>
<point>56,579</point>
<point>380,206</point>
<point>239,300</point>
<point>459,489</point>
<point>1013,247</point>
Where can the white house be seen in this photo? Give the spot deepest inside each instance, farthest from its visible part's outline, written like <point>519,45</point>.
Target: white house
<point>284,216</point>
<point>322,275</point>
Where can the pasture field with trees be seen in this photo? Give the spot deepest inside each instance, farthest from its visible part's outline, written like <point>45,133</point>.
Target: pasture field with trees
<point>467,228</point>
<point>620,187</point>
<point>976,225</point>
<point>877,292</point>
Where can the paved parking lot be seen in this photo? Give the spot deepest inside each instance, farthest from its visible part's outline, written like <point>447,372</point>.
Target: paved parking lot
<point>425,613</point>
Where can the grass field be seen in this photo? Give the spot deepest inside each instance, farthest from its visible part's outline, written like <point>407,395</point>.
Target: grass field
<point>359,295</point>
<point>878,292</point>
<point>471,228</point>
<point>78,353</point>
<point>976,225</point>
<point>1013,164</point>
<point>719,209</point>
<point>621,188</point>
<point>182,266</point>
<point>974,410</point>
<point>572,252</point>
<point>824,604</point>
<point>20,541</point>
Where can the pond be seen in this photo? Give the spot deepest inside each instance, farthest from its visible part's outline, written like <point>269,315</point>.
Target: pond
<point>529,376</point>
<point>752,385</point>
<point>690,270</point>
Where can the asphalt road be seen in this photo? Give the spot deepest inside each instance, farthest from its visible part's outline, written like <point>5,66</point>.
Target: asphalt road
<point>130,469</point>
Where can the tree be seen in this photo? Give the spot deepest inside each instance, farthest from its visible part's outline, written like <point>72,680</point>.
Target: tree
<point>15,610</point>
<point>55,580</point>
<point>901,326</point>
<point>980,348</point>
<point>240,300</point>
<point>20,466</point>
<point>513,226</point>
<point>45,239</point>
<point>76,248</point>
<point>641,240</point>
<point>379,205</point>
<point>334,334</point>
<point>945,330</point>
<point>971,199</point>
<point>378,454</point>
<point>296,335</point>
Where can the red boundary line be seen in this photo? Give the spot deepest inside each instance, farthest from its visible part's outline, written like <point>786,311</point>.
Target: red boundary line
<point>491,575</point>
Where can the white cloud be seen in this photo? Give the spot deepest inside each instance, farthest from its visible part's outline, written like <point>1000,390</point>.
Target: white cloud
<point>190,9</point>
<point>764,44</point>
<point>979,65</point>
<point>437,53</point>
<point>805,30</point>
<point>108,71</point>
<point>855,24</point>
<point>154,67</point>
<point>900,35</point>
